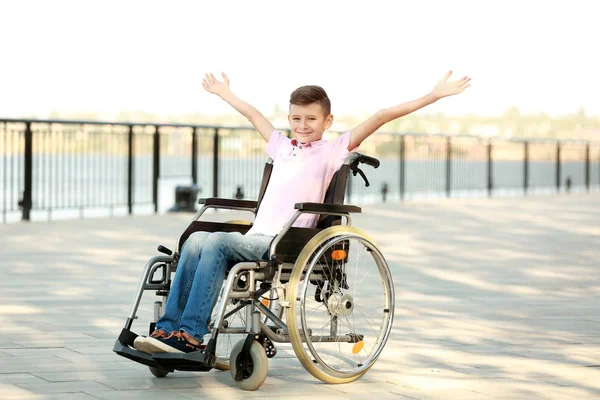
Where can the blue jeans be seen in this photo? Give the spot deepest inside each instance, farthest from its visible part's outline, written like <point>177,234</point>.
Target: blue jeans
<point>199,277</point>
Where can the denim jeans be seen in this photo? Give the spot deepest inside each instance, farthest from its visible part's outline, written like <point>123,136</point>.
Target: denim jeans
<point>200,274</point>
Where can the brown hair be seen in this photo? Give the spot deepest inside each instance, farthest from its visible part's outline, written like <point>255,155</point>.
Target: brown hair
<point>310,94</point>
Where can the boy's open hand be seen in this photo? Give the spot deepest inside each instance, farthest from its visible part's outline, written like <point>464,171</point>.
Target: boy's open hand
<point>446,88</point>
<point>215,86</point>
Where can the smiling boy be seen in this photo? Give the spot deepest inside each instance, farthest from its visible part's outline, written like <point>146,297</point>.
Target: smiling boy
<point>302,169</point>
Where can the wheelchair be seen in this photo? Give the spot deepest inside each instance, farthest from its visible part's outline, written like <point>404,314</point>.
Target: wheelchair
<point>326,290</point>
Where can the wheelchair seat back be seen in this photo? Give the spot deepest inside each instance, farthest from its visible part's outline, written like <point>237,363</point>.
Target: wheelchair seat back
<point>295,239</point>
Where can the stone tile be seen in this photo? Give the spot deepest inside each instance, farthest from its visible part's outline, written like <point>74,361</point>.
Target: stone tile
<point>91,358</point>
<point>169,382</point>
<point>358,388</point>
<point>273,387</point>
<point>449,394</point>
<point>94,375</point>
<point>57,396</point>
<point>96,346</point>
<point>9,345</point>
<point>40,352</point>
<point>20,378</point>
<point>43,360</point>
<point>29,336</point>
<point>477,314</point>
<point>78,345</point>
<point>503,388</point>
<point>8,389</point>
<point>53,366</point>
<point>62,387</point>
<point>135,394</point>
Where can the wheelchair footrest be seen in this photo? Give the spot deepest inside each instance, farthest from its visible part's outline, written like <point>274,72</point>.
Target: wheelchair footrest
<point>137,356</point>
<point>195,361</point>
<point>168,361</point>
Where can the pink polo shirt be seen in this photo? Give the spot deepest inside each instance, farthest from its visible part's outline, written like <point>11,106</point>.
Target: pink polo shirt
<point>301,174</point>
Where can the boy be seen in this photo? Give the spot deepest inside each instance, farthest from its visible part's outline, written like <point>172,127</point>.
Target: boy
<point>302,170</point>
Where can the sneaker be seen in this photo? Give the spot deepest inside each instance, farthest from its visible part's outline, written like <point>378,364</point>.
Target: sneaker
<point>140,342</point>
<point>174,343</point>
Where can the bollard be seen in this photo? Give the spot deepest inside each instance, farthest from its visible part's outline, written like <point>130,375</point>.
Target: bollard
<point>239,193</point>
<point>185,198</point>
<point>384,191</point>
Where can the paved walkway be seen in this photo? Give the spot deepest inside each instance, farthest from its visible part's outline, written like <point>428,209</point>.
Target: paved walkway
<point>495,298</point>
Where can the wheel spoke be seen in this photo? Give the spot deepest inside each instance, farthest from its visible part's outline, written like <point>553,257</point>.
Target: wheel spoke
<point>375,332</point>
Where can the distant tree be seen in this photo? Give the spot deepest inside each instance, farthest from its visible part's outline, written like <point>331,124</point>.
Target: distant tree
<point>512,114</point>
<point>580,118</point>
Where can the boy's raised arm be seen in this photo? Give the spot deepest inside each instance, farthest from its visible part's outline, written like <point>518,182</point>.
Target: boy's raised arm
<point>221,89</point>
<point>443,88</point>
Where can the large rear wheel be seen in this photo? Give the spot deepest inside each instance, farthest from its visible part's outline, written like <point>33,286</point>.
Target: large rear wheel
<point>341,299</point>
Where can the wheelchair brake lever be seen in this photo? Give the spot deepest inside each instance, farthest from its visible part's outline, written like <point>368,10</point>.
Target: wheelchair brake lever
<point>362,174</point>
<point>164,250</point>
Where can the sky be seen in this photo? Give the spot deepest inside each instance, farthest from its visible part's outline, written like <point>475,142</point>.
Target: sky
<point>111,56</point>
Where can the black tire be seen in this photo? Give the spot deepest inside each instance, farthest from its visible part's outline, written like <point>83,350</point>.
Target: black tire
<point>158,372</point>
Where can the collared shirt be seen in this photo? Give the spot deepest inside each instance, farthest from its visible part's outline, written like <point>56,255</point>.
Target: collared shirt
<point>301,174</point>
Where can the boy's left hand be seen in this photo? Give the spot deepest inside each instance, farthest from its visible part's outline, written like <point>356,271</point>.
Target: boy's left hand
<point>446,88</point>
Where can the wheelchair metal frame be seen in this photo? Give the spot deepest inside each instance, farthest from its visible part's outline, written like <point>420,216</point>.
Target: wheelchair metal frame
<point>269,272</point>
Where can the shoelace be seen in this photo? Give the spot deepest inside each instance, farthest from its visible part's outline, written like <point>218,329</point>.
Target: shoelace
<point>178,335</point>
<point>159,334</point>
<point>181,338</point>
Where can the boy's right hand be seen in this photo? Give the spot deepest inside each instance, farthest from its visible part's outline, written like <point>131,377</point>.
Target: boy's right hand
<point>221,89</point>
<point>213,85</point>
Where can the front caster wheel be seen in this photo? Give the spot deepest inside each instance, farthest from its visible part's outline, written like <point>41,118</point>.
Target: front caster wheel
<point>255,368</point>
<point>159,373</point>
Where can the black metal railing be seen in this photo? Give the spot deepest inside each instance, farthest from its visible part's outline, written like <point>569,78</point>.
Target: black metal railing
<point>52,168</point>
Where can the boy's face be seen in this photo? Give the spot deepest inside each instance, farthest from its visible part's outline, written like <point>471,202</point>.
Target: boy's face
<point>308,122</point>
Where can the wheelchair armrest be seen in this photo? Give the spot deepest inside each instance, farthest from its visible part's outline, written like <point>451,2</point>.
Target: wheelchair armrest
<point>217,201</point>
<point>321,208</point>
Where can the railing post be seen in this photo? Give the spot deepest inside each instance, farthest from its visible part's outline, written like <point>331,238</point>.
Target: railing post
<point>216,164</point>
<point>448,166</point>
<point>27,201</point>
<point>130,170</point>
<point>490,171</point>
<point>402,166</point>
<point>194,156</point>
<point>155,167</point>
<point>587,166</point>
<point>525,166</point>
<point>558,166</point>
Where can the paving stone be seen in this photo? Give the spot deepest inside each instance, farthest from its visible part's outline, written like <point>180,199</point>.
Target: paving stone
<point>135,394</point>
<point>58,396</point>
<point>61,387</point>
<point>495,298</point>
<point>19,378</point>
